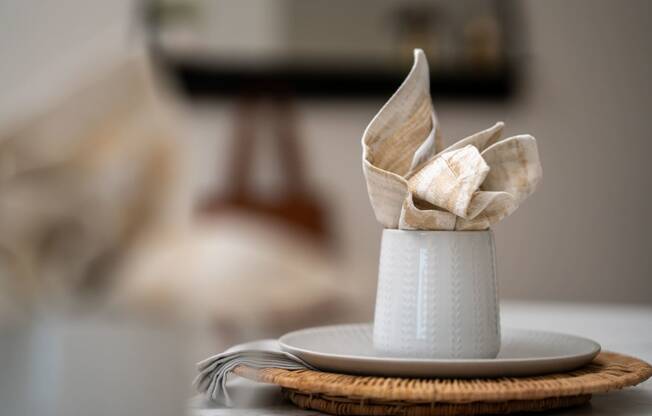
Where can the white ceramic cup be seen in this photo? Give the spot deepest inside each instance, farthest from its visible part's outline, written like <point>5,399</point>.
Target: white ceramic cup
<point>437,295</point>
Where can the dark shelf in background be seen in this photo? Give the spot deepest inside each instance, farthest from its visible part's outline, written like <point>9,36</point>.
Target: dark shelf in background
<point>214,80</point>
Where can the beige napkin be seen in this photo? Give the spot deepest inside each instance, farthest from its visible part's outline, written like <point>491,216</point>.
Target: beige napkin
<point>414,184</point>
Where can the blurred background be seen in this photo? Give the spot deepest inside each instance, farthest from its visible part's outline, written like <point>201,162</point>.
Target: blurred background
<point>200,160</point>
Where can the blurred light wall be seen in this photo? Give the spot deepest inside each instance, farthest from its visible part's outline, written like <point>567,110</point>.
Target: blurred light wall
<point>583,236</point>
<point>586,96</point>
<point>46,46</point>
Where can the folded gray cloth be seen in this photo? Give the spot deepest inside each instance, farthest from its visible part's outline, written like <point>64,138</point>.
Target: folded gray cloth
<point>213,371</point>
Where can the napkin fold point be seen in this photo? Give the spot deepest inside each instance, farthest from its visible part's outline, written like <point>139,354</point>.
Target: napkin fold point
<point>415,185</point>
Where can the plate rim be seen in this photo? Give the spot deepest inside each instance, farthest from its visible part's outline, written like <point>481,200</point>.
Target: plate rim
<point>596,348</point>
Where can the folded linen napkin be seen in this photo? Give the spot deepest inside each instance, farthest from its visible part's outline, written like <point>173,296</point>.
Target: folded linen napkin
<point>213,371</point>
<point>414,184</point>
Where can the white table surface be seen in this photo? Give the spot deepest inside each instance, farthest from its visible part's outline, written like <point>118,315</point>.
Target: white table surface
<point>622,328</point>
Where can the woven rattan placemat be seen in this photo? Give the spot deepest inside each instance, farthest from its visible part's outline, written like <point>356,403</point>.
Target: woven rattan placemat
<point>360,395</point>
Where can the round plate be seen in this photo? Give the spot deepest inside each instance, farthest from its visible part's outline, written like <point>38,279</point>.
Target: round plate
<point>349,349</point>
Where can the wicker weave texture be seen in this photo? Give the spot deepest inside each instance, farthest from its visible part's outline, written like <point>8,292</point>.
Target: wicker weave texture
<point>609,371</point>
<point>339,406</point>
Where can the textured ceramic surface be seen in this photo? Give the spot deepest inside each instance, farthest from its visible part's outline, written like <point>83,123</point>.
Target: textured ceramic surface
<point>437,295</point>
<point>349,349</point>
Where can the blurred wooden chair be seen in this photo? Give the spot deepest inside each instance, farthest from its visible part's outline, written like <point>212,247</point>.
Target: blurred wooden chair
<point>296,207</point>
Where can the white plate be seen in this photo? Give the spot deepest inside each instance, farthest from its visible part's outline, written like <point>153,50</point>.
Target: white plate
<point>349,349</point>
